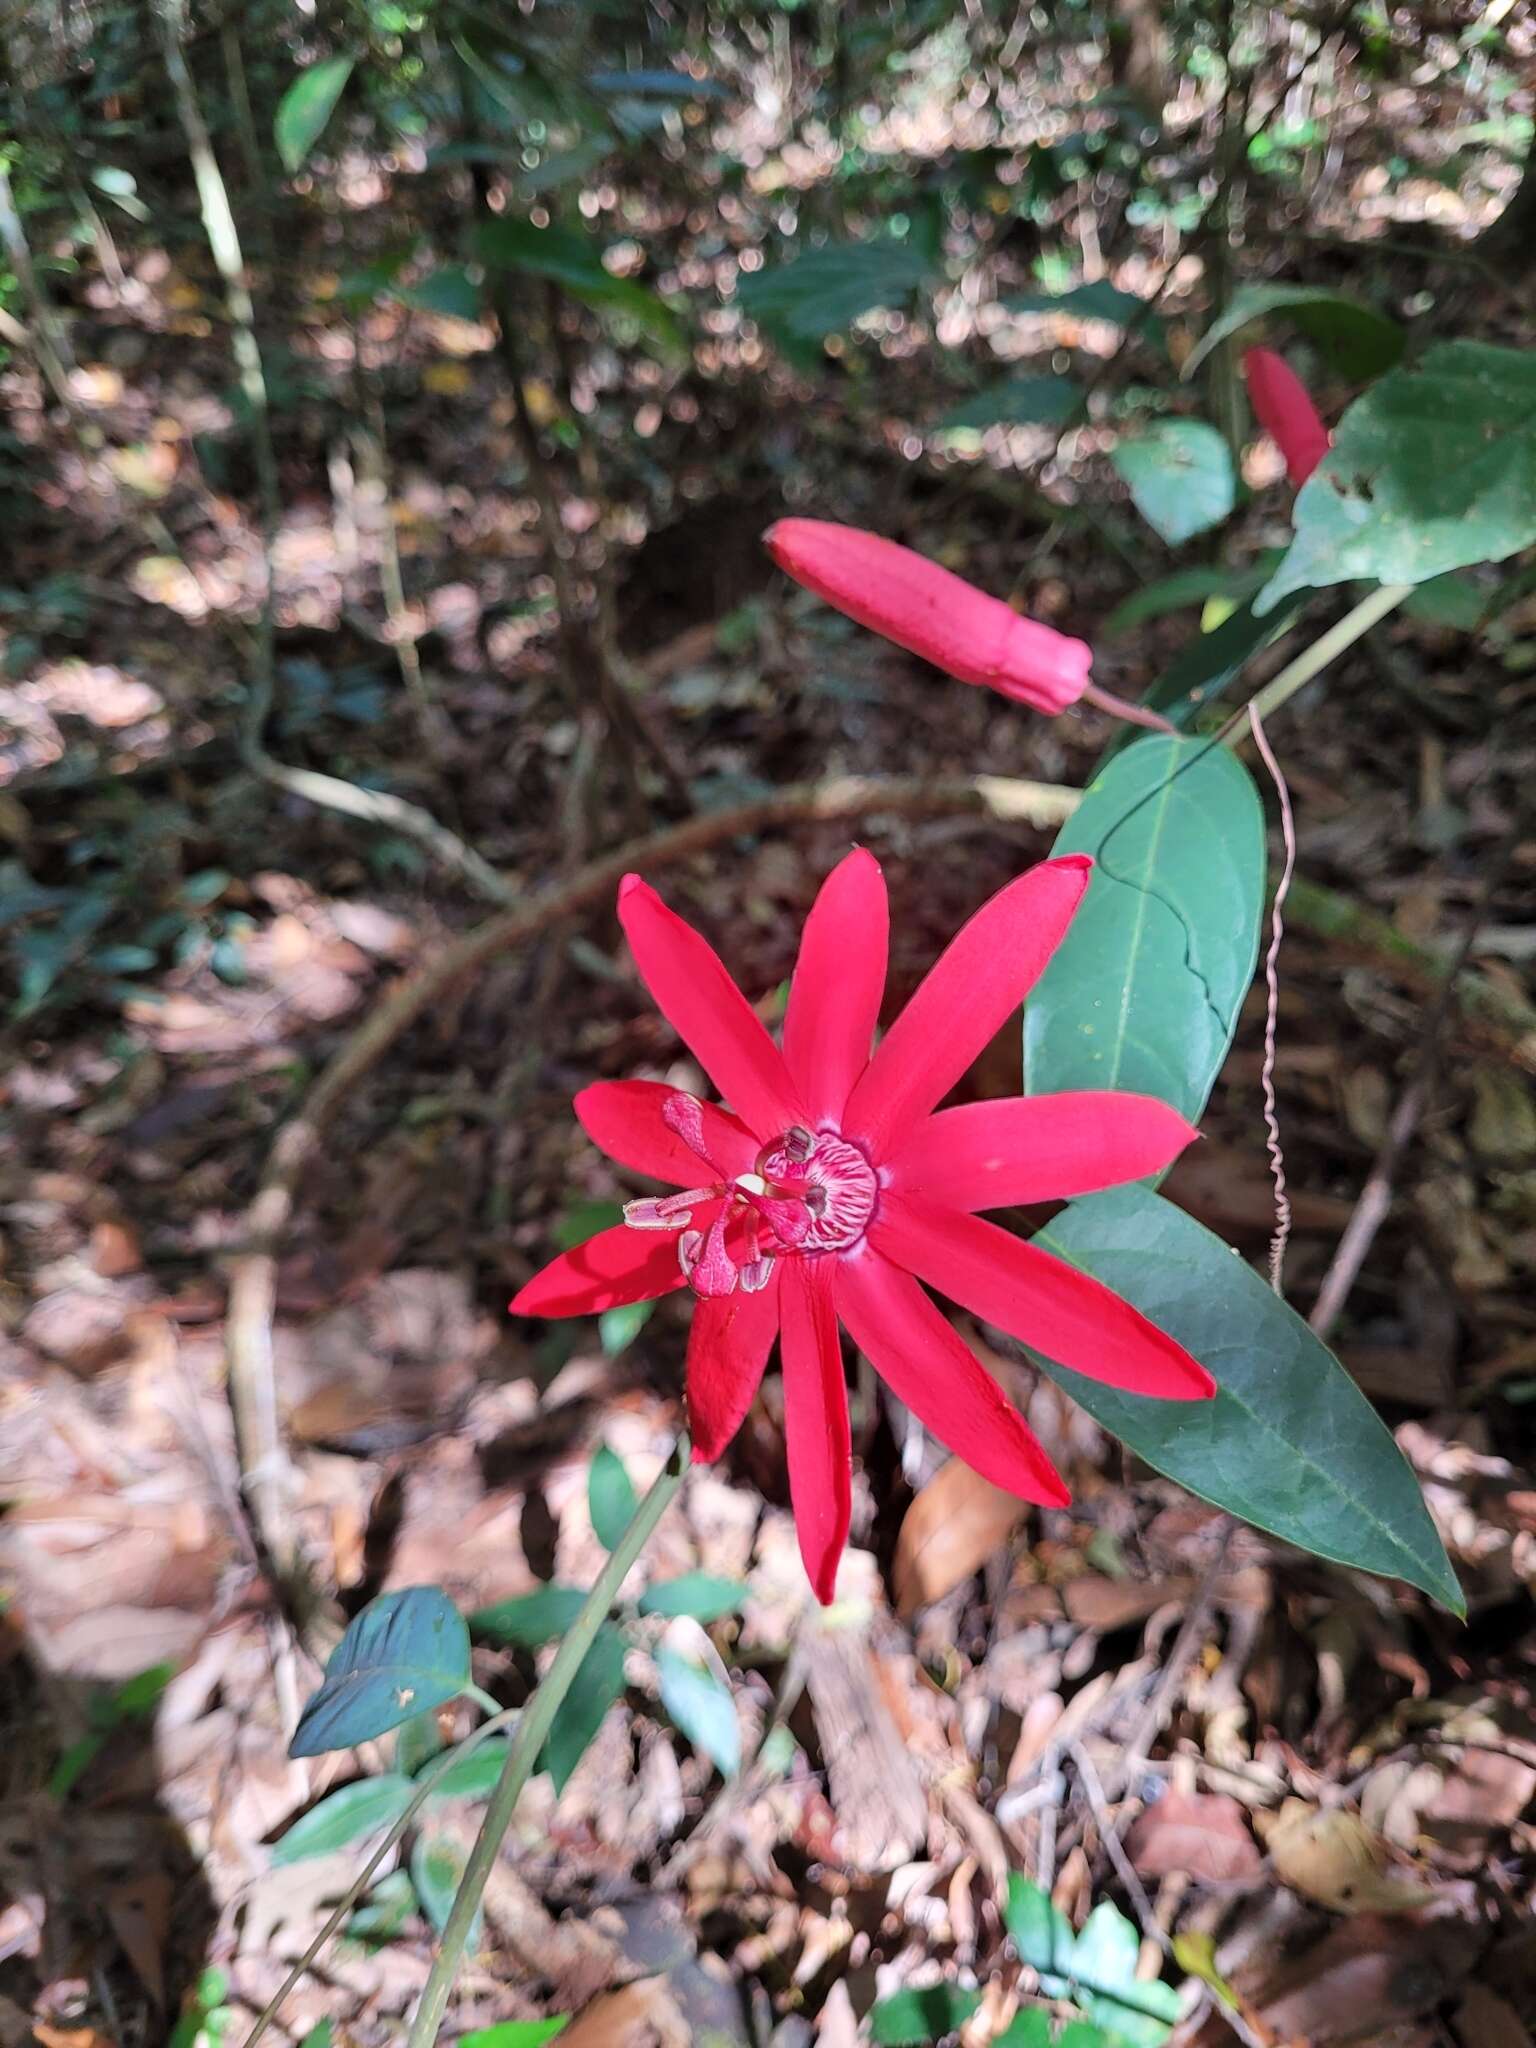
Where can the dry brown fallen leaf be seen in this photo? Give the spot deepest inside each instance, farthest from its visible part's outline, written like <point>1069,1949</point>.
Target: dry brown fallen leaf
<point>644,2012</point>
<point>1195,1834</point>
<point>1333,1857</point>
<point>955,1524</point>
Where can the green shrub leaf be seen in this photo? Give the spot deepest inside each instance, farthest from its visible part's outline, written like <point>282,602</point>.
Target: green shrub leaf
<point>405,1653</point>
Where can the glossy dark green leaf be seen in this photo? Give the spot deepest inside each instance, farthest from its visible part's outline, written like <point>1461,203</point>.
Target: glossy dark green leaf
<point>406,1652</point>
<point>1144,992</point>
<point>1099,300</point>
<point>1434,468</point>
<point>449,289</point>
<point>597,1684</point>
<point>1014,402</point>
<point>1209,663</point>
<point>826,289</point>
<point>699,1594</point>
<point>473,1775</point>
<point>532,1619</point>
<point>1357,340</point>
<point>610,1497</point>
<point>306,107</point>
<point>1180,476</point>
<point>574,260</point>
<point>703,1708</point>
<point>516,2033</point>
<point>1195,585</point>
<point>344,1816</point>
<point>909,2017</point>
<point>437,1869</point>
<point>1289,1442</point>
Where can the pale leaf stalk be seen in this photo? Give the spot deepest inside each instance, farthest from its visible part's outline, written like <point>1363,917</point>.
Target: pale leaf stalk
<point>538,1717</point>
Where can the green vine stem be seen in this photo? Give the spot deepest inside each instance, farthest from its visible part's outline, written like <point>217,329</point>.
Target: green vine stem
<point>1314,659</point>
<point>537,1719</point>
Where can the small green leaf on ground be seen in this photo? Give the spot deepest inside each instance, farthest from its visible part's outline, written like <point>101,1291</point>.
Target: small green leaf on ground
<point>610,1497</point>
<point>910,2017</point>
<point>702,1706</point>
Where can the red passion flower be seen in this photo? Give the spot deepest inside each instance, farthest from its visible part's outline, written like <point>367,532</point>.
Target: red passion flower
<point>932,613</point>
<point>1286,413</point>
<point>834,1188</point>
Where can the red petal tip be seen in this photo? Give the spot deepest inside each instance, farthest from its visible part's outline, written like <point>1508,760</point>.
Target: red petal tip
<point>630,884</point>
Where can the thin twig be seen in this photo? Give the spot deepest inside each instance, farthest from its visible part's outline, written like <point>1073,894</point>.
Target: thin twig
<point>1272,1007</point>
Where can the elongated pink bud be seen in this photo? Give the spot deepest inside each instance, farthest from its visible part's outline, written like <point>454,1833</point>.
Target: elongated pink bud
<point>1286,412</point>
<point>932,613</point>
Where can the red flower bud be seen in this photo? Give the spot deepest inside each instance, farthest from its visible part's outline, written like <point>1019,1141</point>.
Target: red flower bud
<point>932,613</point>
<point>1286,412</point>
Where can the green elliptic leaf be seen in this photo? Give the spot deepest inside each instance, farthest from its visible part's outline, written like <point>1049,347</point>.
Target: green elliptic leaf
<point>1357,340</point>
<point>516,2033</point>
<point>1289,1442</point>
<point>1144,992</point>
<point>473,1775</point>
<point>610,1497</point>
<point>574,260</point>
<point>437,1869</point>
<point>306,107</point>
<point>826,289</point>
<point>531,1620</point>
<point>598,1683</point>
<point>1183,588</point>
<point>1433,469</point>
<point>1208,665</point>
<point>342,1816</point>
<point>1105,1984</point>
<point>617,1328</point>
<point>1099,300</point>
<point>1041,1933</point>
<point>1033,2027</point>
<point>1015,402</point>
<point>319,2036</point>
<point>703,1708</point>
<point>417,1742</point>
<point>1180,476</point>
<point>910,2017</point>
<point>405,1653</point>
<point>700,1594</point>
<point>447,290</point>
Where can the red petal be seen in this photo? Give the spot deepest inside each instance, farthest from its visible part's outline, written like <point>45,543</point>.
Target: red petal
<point>931,611</point>
<point>815,1420</point>
<point>978,981</point>
<point>616,1266</point>
<point>624,1119</point>
<point>728,1348</point>
<point>834,999</point>
<point>925,1364</point>
<point>1042,1301</point>
<point>1286,412</point>
<point>1038,1148</point>
<point>698,998</point>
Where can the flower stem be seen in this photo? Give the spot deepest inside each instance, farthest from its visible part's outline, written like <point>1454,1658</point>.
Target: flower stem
<point>537,1719</point>
<point>1314,659</point>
